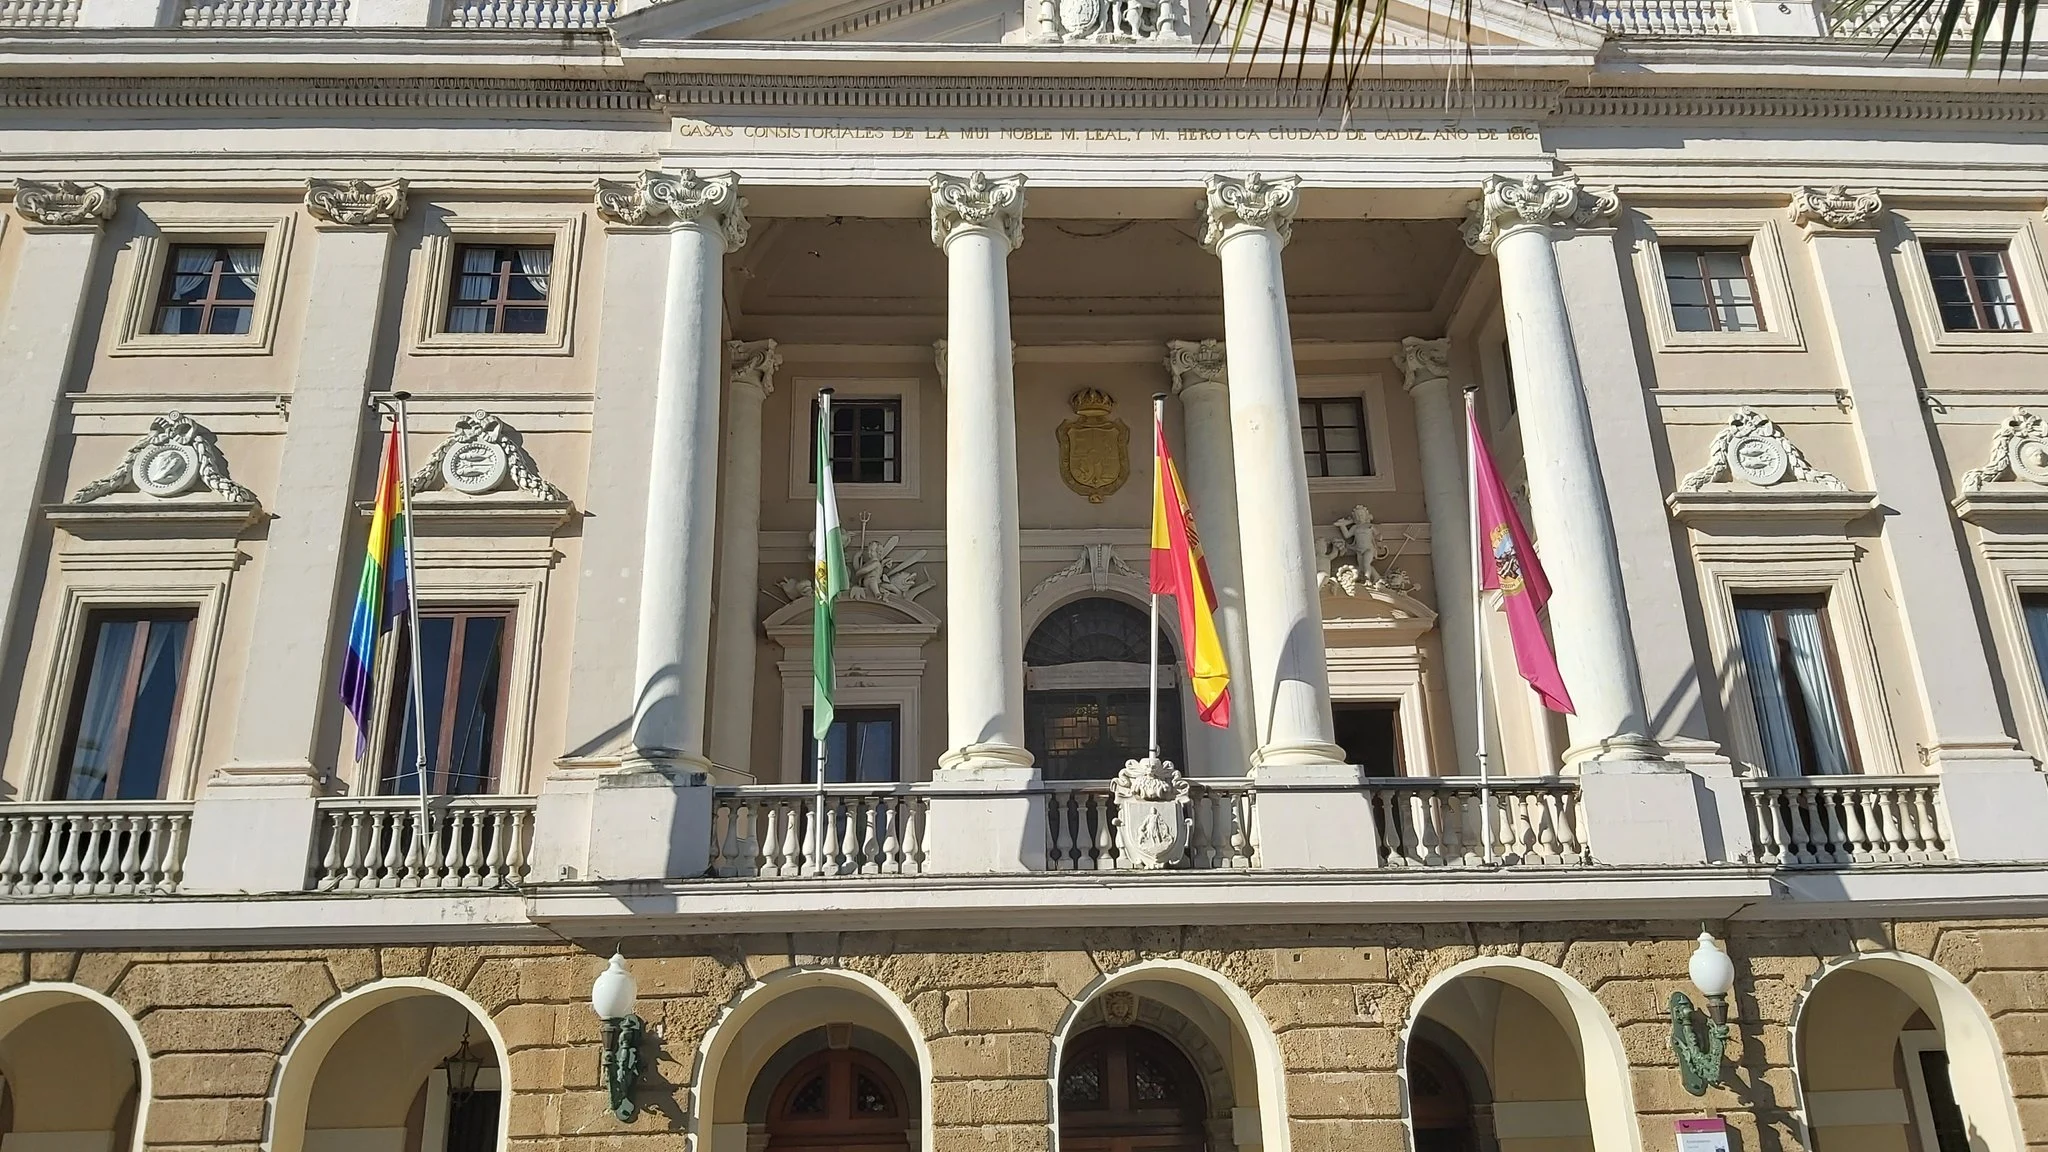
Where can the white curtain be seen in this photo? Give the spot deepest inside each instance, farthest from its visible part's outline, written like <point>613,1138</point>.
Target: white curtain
<point>1817,689</point>
<point>246,262</point>
<point>1767,691</point>
<point>535,264</point>
<point>476,282</point>
<point>91,756</point>
<point>192,266</point>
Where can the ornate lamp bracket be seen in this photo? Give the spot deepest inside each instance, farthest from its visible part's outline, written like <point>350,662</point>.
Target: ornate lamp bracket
<point>1699,1059</point>
<point>621,1039</point>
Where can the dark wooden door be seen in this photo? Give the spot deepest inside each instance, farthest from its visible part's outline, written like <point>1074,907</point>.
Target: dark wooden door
<point>1129,1090</point>
<point>1438,1101</point>
<point>839,1100</point>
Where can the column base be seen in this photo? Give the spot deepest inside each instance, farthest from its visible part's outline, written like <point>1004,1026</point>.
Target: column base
<point>253,830</point>
<point>649,818</point>
<point>987,812</point>
<point>995,760</point>
<point>1644,812</point>
<point>1313,814</point>
<point>1327,758</point>
<point>1996,800</point>
<point>1623,746</point>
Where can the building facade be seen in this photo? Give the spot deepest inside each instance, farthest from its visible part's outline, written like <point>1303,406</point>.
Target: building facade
<point>1749,310</point>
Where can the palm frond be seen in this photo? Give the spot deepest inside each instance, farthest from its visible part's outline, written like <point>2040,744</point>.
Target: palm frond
<point>1354,29</point>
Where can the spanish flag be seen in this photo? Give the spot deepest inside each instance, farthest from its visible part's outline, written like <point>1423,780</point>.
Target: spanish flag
<point>1179,571</point>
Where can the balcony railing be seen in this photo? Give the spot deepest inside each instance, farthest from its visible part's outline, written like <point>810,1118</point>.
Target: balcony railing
<point>92,848</point>
<point>1083,832</point>
<point>38,13</point>
<point>1443,822</point>
<point>1832,821</point>
<point>572,15</point>
<point>1654,17</point>
<point>773,830</point>
<point>264,14</point>
<point>468,842</point>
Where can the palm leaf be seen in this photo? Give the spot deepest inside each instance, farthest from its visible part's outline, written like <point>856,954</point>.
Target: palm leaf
<point>1353,27</point>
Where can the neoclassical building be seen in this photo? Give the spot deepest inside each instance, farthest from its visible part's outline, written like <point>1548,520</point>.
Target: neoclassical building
<point>1751,313</point>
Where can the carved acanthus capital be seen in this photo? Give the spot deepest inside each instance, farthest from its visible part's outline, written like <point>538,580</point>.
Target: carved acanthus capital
<point>753,364</point>
<point>683,196</point>
<point>976,201</point>
<point>1196,362</point>
<point>1235,206</point>
<point>64,203</point>
<point>1835,207</point>
<point>1532,201</point>
<point>357,203</point>
<point>1424,361</point>
<point>177,456</point>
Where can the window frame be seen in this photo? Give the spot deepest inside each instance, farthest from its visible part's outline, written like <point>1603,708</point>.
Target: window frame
<point>869,713</point>
<point>1714,306</point>
<point>505,259</point>
<point>1769,276</point>
<point>2015,232</point>
<point>854,403</point>
<point>80,685</point>
<point>1369,389</point>
<point>210,302</point>
<point>148,266</point>
<point>1779,602</point>
<point>801,428</point>
<point>2015,568</point>
<point>433,283</point>
<point>1978,304</point>
<point>395,673</point>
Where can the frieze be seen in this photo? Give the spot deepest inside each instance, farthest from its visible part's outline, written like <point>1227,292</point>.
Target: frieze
<point>956,94</point>
<point>383,92</point>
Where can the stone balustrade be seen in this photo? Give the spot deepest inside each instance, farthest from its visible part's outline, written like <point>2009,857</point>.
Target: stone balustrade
<point>1084,833</point>
<point>264,14</point>
<point>1454,822</point>
<point>465,842</point>
<point>531,14</point>
<point>774,829</point>
<point>1833,821</point>
<point>1655,17</point>
<point>86,848</point>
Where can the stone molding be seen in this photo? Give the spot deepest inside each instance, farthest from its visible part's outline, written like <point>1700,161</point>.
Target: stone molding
<point>956,94</point>
<point>1637,104</point>
<point>1098,563</point>
<point>1233,206</point>
<point>285,92</point>
<point>356,203</point>
<point>976,201</point>
<point>65,203</point>
<point>483,455</point>
<point>2019,451</point>
<point>1835,207</point>
<point>683,196</point>
<point>1423,361</point>
<point>1193,363</point>
<point>1533,201</point>
<point>1755,449</point>
<point>176,456</point>
<point>753,364</point>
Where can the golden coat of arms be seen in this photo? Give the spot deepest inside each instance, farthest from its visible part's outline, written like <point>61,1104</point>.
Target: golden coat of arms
<point>1095,447</point>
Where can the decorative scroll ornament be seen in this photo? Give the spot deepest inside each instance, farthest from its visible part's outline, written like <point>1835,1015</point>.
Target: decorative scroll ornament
<point>483,455</point>
<point>1755,449</point>
<point>2018,452</point>
<point>357,203</point>
<point>64,203</point>
<point>975,201</point>
<point>177,456</point>
<point>1539,201</point>
<point>875,573</point>
<point>754,363</point>
<point>1348,562</point>
<point>684,196</point>
<point>1152,819</point>
<point>1835,207</point>
<point>1424,361</point>
<point>1112,22</point>
<point>1095,447</point>
<point>1234,206</point>
<point>1194,363</point>
<point>1098,562</point>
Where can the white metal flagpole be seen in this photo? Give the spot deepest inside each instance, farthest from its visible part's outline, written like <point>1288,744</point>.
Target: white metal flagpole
<point>1480,557</point>
<point>412,624</point>
<point>819,592</point>
<point>1152,667</point>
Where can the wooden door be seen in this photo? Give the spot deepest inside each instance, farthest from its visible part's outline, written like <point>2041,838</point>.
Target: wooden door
<point>1129,1090</point>
<point>838,1100</point>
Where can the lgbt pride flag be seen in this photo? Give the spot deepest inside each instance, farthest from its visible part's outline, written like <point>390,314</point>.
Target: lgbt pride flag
<point>1179,571</point>
<point>383,593</point>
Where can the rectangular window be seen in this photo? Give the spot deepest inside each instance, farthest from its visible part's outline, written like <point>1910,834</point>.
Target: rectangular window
<point>867,440</point>
<point>1333,437</point>
<point>1974,289</point>
<point>1711,290</point>
<point>463,682</point>
<point>1795,684</point>
<point>1370,734</point>
<point>500,288</point>
<point>208,289</point>
<point>860,748</point>
<point>2034,607</point>
<point>124,706</point>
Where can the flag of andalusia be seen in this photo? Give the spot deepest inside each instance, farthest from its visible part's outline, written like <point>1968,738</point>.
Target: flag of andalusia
<point>828,576</point>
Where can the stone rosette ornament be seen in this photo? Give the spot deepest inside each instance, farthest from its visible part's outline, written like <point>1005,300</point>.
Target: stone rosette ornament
<point>177,457</point>
<point>1152,813</point>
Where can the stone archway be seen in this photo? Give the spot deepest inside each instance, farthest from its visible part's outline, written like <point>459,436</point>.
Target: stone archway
<point>1129,1089</point>
<point>73,1070</point>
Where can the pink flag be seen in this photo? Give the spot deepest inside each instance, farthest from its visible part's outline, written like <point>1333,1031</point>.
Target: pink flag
<point>1508,563</point>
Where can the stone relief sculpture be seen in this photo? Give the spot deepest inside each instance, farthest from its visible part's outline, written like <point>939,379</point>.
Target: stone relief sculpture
<point>64,203</point>
<point>483,455</point>
<point>683,196</point>
<point>875,572</point>
<point>1755,449</point>
<point>2019,451</point>
<point>1111,22</point>
<point>1095,446</point>
<point>1348,562</point>
<point>176,457</point>
<point>1835,207</point>
<point>357,203</point>
<point>1152,818</point>
<point>1098,562</point>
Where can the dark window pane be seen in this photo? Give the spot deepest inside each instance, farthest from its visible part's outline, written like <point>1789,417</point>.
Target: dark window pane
<point>462,687</point>
<point>1687,293</point>
<point>500,289</point>
<point>867,444</point>
<point>125,703</point>
<point>1692,318</point>
<point>207,289</point>
<point>1951,1131</point>
<point>1974,289</point>
<point>1333,437</point>
<point>860,747</point>
<point>1370,736</point>
<point>1944,262</point>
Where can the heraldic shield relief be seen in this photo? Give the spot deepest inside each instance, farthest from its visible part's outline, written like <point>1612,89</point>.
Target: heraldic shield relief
<point>1095,447</point>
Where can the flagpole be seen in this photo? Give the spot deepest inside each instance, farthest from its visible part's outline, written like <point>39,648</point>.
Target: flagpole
<point>1152,667</point>
<point>819,590</point>
<point>1479,557</point>
<point>412,622</point>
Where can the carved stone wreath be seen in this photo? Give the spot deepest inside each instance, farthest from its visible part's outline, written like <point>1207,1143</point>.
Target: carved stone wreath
<point>176,457</point>
<point>1753,448</point>
<point>483,455</point>
<point>2019,451</point>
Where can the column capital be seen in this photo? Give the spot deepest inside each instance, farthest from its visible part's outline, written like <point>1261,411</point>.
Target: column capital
<point>65,203</point>
<point>1233,206</point>
<point>753,366</point>
<point>975,201</point>
<point>1424,361</point>
<point>1825,209</point>
<point>713,201</point>
<point>1532,201</point>
<point>1194,363</point>
<point>355,203</point>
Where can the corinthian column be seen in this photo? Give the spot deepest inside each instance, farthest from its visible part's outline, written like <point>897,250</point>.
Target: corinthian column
<point>752,372</point>
<point>1514,220</point>
<point>1439,432</point>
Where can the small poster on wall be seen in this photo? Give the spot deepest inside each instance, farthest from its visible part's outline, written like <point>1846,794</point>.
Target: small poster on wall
<point>1702,1134</point>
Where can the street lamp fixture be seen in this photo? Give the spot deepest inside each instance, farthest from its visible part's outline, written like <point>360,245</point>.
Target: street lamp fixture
<point>612,997</point>
<point>462,1069</point>
<point>1699,1058</point>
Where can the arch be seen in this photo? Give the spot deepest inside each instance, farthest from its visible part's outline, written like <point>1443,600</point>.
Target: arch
<point>20,1004</point>
<point>1085,702</point>
<point>298,1070</point>
<point>1983,1090</point>
<point>1250,1034</point>
<point>1603,1064</point>
<point>719,1064</point>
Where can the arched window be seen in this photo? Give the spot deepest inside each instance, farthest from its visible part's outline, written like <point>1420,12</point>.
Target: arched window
<point>1086,699</point>
<point>1129,1090</point>
<point>841,1099</point>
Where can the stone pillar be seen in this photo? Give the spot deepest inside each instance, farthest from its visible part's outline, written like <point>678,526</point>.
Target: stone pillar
<point>736,642</point>
<point>649,814</point>
<point>1200,380</point>
<point>977,222</point>
<point>62,223</point>
<point>1312,813</point>
<point>252,830</point>
<point>1997,803</point>
<point>1640,807</point>
<point>1440,441</point>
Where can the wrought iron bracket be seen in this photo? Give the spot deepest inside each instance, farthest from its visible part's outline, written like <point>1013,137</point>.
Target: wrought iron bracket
<point>1699,1059</point>
<point>621,1040</point>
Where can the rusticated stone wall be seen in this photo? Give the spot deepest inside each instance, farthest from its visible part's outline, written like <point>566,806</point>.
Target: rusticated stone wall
<point>989,1002</point>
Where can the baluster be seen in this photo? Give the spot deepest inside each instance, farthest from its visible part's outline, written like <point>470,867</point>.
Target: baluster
<point>917,817</point>
<point>1798,820</point>
<point>1547,839</point>
<point>1885,823</point>
<point>449,825</point>
<point>149,867</point>
<point>1060,821</point>
<point>126,877</point>
<point>39,859</point>
<point>1852,846</point>
<point>853,837</point>
<point>1834,849</point>
<point>361,857</point>
<point>1109,834</point>
<point>891,809</point>
<point>65,835</point>
<point>1765,833</point>
<point>1212,817</point>
<point>1393,841</point>
<point>788,815</point>
<point>1426,842</point>
<point>473,862</point>
<point>391,834</point>
<point>1572,849</point>
<point>499,823</point>
<point>174,856</point>
<point>808,814</point>
<point>1087,835</point>
<point>101,855</point>
<point>14,830</point>
<point>733,812</point>
<point>1927,809</point>
<point>747,859</point>
<point>330,859</point>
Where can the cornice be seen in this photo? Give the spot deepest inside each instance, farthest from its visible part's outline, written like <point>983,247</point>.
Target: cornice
<point>1641,103</point>
<point>514,94</point>
<point>1092,93</point>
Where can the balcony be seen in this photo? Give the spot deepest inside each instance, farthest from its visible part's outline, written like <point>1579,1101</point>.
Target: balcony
<point>376,843</point>
<point>108,848</point>
<point>1843,821</point>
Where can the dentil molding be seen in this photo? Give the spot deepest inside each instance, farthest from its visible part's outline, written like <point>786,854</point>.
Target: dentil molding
<point>64,203</point>
<point>1540,201</point>
<point>1423,361</point>
<point>1233,206</point>
<point>177,456</point>
<point>976,201</point>
<point>1193,363</point>
<point>1835,207</point>
<point>483,455</point>
<point>682,196</point>
<point>356,203</point>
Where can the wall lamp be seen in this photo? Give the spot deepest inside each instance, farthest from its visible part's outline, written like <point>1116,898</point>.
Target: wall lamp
<point>612,997</point>
<point>1699,1058</point>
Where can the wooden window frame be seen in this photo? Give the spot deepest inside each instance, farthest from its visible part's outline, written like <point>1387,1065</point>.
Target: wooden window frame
<point>81,680</point>
<point>398,700</point>
<point>864,713</point>
<point>1777,603</point>
<point>852,405</point>
<point>1322,452</point>
<point>506,255</point>
<point>1714,305</point>
<point>211,300</point>
<point>1979,306</point>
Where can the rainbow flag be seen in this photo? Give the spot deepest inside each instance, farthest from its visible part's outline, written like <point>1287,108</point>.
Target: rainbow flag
<point>382,595</point>
<point>1179,571</point>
